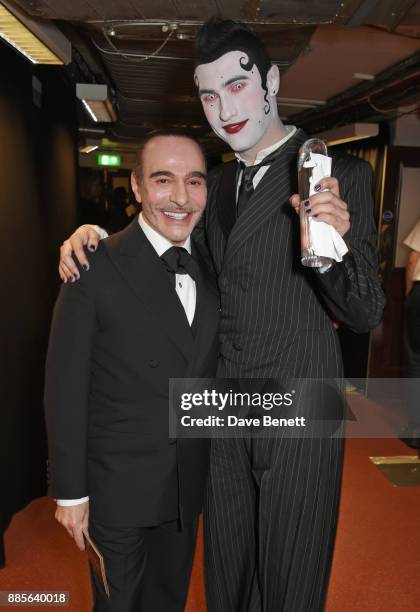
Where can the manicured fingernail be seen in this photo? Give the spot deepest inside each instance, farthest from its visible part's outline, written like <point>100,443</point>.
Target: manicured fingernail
<point>71,279</point>
<point>306,203</point>
<point>85,267</point>
<point>317,187</point>
<point>308,210</point>
<point>92,248</point>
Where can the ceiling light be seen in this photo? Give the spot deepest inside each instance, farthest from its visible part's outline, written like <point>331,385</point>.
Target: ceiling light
<point>363,77</point>
<point>169,27</point>
<point>40,41</point>
<point>89,145</point>
<point>300,102</point>
<point>88,149</point>
<point>92,131</point>
<point>348,133</point>
<point>96,101</point>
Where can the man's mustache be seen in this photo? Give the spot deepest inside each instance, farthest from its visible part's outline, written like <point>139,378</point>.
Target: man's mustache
<point>184,209</point>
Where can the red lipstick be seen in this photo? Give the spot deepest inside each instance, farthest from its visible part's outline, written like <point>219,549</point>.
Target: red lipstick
<point>233,128</point>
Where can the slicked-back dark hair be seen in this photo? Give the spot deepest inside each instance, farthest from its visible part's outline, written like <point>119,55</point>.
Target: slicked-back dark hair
<point>165,133</point>
<point>219,36</point>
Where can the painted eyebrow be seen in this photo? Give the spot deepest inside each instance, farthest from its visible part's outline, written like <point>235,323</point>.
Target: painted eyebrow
<point>241,77</point>
<point>195,173</point>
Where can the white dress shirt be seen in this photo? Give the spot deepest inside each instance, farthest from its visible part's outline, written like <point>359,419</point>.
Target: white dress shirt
<point>185,288</point>
<point>184,284</point>
<point>291,131</point>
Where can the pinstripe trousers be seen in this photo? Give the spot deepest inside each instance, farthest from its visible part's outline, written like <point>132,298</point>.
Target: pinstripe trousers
<point>270,521</point>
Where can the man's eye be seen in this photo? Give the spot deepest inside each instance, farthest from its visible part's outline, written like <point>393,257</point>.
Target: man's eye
<point>163,181</point>
<point>237,86</point>
<point>209,98</point>
<point>195,182</point>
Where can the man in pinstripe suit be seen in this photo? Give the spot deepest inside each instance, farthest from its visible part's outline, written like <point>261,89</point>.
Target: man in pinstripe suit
<point>272,504</point>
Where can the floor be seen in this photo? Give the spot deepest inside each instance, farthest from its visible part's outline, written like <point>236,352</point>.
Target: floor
<point>376,563</point>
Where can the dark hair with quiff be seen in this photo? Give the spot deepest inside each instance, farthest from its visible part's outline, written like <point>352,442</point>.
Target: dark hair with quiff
<point>219,36</point>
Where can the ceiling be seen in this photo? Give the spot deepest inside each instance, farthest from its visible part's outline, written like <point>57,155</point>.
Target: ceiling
<point>143,50</point>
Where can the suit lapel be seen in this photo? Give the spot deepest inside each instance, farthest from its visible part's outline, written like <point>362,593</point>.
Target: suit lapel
<point>226,198</point>
<point>142,269</point>
<point>206,312</point>
<point>272,192</point>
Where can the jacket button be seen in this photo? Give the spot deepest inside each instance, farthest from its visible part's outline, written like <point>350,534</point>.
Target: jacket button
<point>237,346</point>
<point>153,363</point>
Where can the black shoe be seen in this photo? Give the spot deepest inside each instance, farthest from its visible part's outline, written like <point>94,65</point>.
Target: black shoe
<point>411,436</point>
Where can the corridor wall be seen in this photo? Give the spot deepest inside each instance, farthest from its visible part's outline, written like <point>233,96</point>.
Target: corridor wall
<point>38,209</point>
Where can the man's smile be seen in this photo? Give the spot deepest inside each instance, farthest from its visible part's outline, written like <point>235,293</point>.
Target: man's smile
<point>234,128</point>
<point>177,216</point>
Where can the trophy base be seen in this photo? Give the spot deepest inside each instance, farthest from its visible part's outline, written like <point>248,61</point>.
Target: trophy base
<point>315,261</point>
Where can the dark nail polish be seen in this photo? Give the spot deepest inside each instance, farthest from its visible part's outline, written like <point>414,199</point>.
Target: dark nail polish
<point>92,248</point>
<point>306,203</point>
<point>85,267</point>
<point>71,279</point>
<point>308,210</point>
<point>317,187</point>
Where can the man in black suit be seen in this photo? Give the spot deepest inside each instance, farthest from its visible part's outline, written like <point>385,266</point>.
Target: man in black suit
<point>272,504</point>
<point>147,312</point>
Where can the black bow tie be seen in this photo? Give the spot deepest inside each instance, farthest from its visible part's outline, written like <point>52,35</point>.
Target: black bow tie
<point>246,187</point>
<point>177,260</point>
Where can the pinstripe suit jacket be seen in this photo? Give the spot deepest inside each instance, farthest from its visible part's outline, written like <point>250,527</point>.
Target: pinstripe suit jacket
<point>276,315</point>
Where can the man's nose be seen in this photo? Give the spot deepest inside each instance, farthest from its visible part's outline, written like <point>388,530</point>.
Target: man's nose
<point>227,109</point>
<point>179,194</point>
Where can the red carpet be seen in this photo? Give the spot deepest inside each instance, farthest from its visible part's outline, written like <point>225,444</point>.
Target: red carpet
<point>376,564</point>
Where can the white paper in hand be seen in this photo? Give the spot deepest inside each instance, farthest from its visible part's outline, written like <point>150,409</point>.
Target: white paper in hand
<point>325,240</point>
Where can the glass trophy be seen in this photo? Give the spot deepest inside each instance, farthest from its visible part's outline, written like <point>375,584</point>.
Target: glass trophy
<point>305,181</point>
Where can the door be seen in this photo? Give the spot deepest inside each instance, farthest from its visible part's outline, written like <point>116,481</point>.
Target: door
<point>399,211</point>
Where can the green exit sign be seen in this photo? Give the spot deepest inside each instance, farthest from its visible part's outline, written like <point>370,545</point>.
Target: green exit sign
<point>109,159</point>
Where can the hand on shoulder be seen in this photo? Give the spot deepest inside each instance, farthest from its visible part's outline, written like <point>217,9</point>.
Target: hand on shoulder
<point>73,248</point>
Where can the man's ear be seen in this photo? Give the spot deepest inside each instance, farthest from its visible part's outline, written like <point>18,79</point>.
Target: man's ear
<point>273,80</point>
<point>135,186</point>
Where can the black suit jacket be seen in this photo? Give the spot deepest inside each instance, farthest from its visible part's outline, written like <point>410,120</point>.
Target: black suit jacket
<point>117,336</point>
<point>276,314</point>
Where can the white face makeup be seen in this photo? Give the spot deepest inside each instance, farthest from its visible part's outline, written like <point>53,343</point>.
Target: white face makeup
<point>234,102</point>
